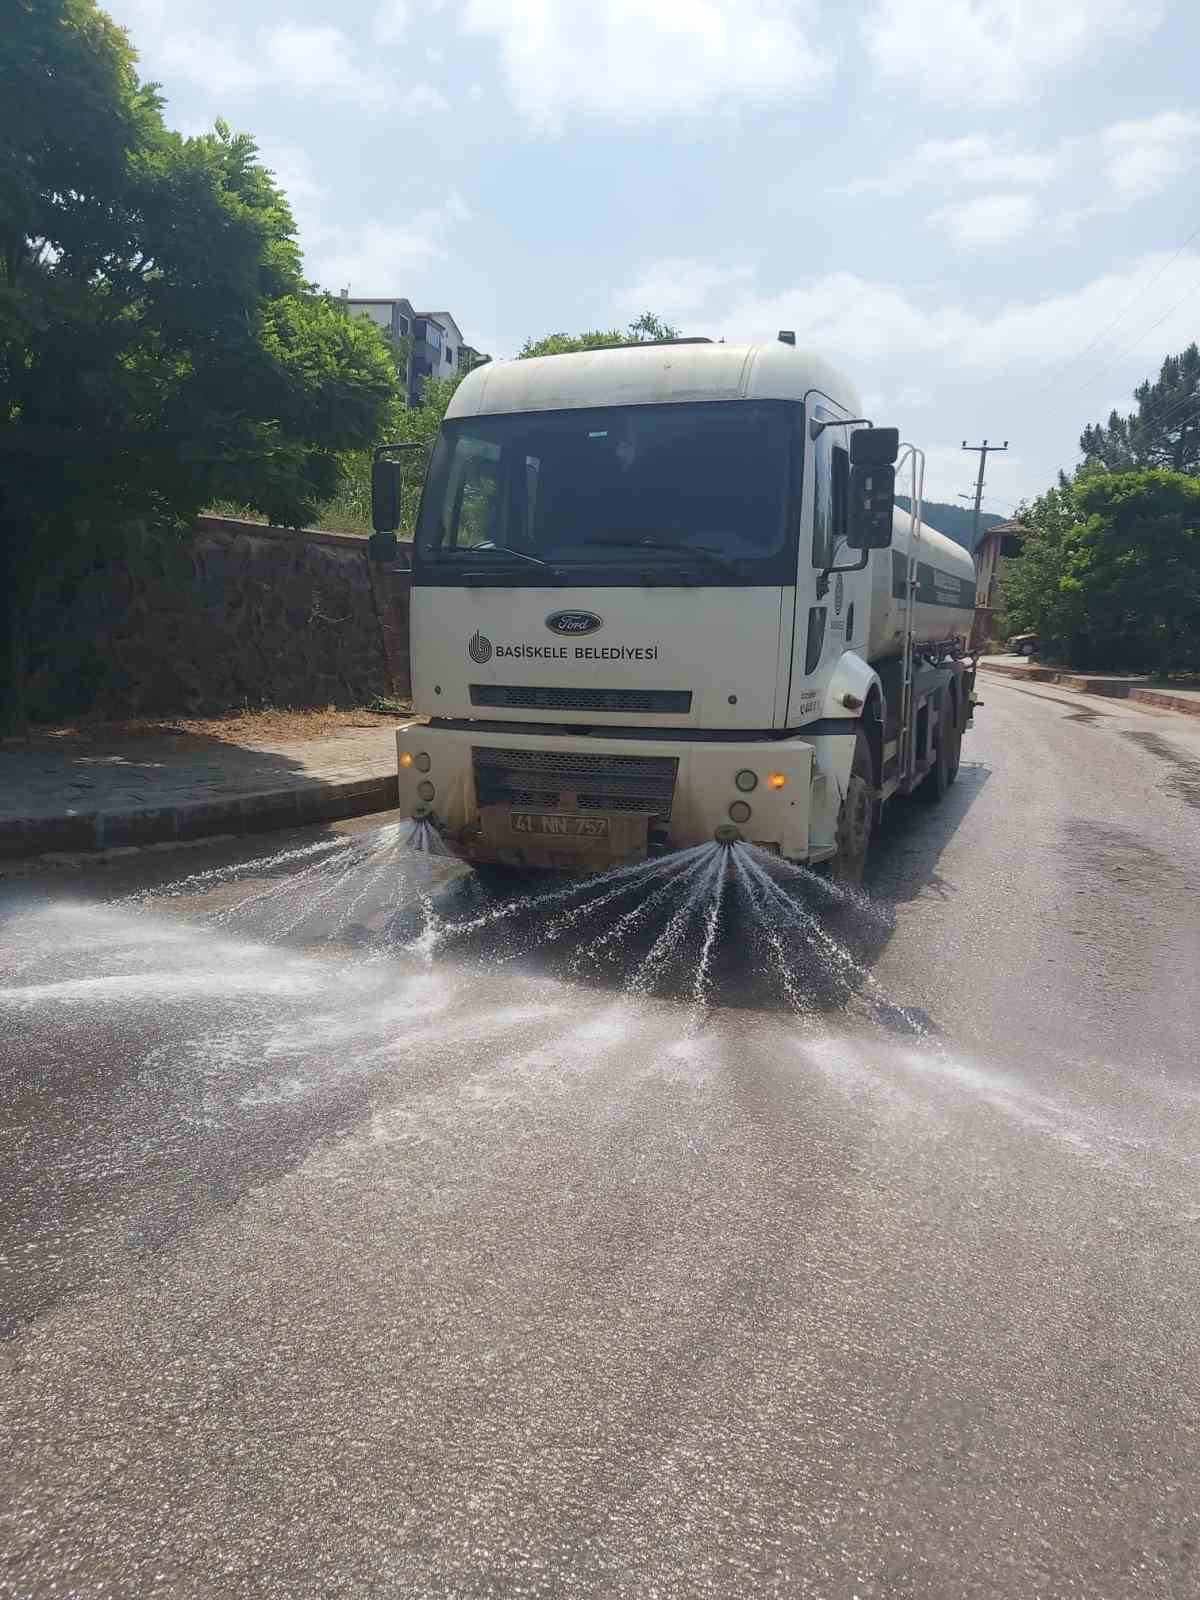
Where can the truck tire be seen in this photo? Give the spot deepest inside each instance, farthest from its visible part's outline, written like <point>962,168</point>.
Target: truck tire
<point>938,779</point>
<point>856,819</point>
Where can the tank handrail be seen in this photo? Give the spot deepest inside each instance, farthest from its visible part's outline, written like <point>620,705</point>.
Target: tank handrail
<point>914,458</point>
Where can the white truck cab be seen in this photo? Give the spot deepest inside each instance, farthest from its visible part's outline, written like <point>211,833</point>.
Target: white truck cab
<point>660,596</point>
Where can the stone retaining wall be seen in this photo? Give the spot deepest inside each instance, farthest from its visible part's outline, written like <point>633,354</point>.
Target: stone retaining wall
<point>238,614</point>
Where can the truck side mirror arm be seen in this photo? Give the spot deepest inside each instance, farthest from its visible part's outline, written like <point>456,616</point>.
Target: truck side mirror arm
<point>826,573</point>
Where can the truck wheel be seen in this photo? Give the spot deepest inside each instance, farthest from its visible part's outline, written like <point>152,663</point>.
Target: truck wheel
<point>938,779</point>
<point>856,819</point>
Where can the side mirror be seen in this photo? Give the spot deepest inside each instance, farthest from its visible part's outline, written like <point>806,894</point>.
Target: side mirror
<point>874,447</point>
<point>872,504</point>
<point>385,495</point>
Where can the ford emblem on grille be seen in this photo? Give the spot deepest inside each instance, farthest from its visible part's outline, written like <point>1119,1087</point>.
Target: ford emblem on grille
<point>574,623</point>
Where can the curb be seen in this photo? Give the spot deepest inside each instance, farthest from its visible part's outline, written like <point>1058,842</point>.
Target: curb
<point>1166,701</point>
<point>1111,689</point>
<point>269,809</point>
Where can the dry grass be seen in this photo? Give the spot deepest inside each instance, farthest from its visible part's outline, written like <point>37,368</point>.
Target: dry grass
<point>251,729</point>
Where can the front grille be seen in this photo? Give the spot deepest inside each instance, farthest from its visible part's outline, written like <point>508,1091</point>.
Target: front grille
<point>532,697</point>
<point>540,778</point>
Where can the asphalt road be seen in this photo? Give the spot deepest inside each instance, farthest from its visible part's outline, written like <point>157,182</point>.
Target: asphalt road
<point>860,1264</point>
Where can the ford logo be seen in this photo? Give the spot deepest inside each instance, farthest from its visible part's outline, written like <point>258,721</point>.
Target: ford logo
<point>574,623</point>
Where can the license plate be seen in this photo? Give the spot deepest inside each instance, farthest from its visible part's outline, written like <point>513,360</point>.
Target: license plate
<point>558,825</point>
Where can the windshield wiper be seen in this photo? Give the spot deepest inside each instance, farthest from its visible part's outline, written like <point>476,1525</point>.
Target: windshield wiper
<point>634,542</point>
<point>507,550</point>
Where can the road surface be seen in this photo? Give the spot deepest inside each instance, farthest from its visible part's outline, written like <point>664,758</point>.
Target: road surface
<point>461,1270</point>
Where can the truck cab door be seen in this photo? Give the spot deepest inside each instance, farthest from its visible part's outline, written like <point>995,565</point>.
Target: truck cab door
<point>831,622</point>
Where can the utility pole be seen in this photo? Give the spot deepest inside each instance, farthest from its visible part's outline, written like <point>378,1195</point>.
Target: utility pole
<point>983,455</point>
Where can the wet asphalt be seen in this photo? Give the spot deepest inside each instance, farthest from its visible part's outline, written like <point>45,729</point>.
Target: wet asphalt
<point>863,1264</point>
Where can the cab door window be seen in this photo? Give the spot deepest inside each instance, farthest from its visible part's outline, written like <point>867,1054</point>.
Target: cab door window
<point>840,499</point>
<point>831,495</point>
<point>822,514</point>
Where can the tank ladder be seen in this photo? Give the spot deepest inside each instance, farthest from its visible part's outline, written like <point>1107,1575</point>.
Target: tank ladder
<point>914,459</point>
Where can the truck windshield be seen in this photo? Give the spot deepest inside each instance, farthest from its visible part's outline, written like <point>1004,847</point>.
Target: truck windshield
<point>633,486</point>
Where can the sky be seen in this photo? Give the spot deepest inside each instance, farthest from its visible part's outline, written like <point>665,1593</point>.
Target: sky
<point>984,212</point>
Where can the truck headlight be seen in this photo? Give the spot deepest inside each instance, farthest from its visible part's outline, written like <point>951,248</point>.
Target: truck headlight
<point>739,811</point>
<point>422,762</point>
<point>426,791</point>
<point>745,780</point>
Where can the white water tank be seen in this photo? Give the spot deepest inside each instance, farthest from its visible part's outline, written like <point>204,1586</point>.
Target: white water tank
<point>944,605</point>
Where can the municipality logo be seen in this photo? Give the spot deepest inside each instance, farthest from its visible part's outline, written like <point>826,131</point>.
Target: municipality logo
<point>479,649</point>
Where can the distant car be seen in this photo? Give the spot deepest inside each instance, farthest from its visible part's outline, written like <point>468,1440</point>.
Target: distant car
<point>1024,644</point>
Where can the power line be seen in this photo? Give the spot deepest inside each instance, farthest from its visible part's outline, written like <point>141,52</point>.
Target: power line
<point>1179,405</point>
<point>1177,415</point>
<point>1131,348</point>
<point>1140,290</point>
<point>1165,424</point>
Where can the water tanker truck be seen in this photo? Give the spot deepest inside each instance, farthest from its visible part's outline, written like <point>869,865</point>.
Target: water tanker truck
<point>662,595</point>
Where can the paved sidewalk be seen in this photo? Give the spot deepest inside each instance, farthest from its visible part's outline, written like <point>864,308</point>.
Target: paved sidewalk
<point>1115,685</point>
<point>100,795</point>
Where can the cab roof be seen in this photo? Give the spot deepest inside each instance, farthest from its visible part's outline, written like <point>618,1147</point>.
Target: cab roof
<point>651,374</point>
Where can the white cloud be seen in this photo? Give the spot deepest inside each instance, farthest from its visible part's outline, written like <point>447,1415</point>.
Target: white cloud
<point>423,98</point>
<point>192,41</point>
<point>391,20</point>
<point>1134,157</point>
<point>373,258</point>
<point>974,159</point>
<point>378,258</point>
<point>632,62</point>
<point>188,42</point>
<point>311,58</point>
<point>1142,156</point>
<point>851,318</point>
<point>1102,171</point>
<point>948,370</point>
<point>690,287</point>
<point>293,172</point>
<point>991,219</point>
<point>992,52</point>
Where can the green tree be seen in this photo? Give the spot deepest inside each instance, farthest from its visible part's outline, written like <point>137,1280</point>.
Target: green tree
<point>1164,431</point>
<point>1135,564</point>
<point>1110,570</point>
<point>1034,598</point>
<point>645,329</point>
<point>159,348</point>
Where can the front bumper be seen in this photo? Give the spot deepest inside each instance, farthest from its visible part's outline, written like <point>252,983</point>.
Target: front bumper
<point>793,819</point>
